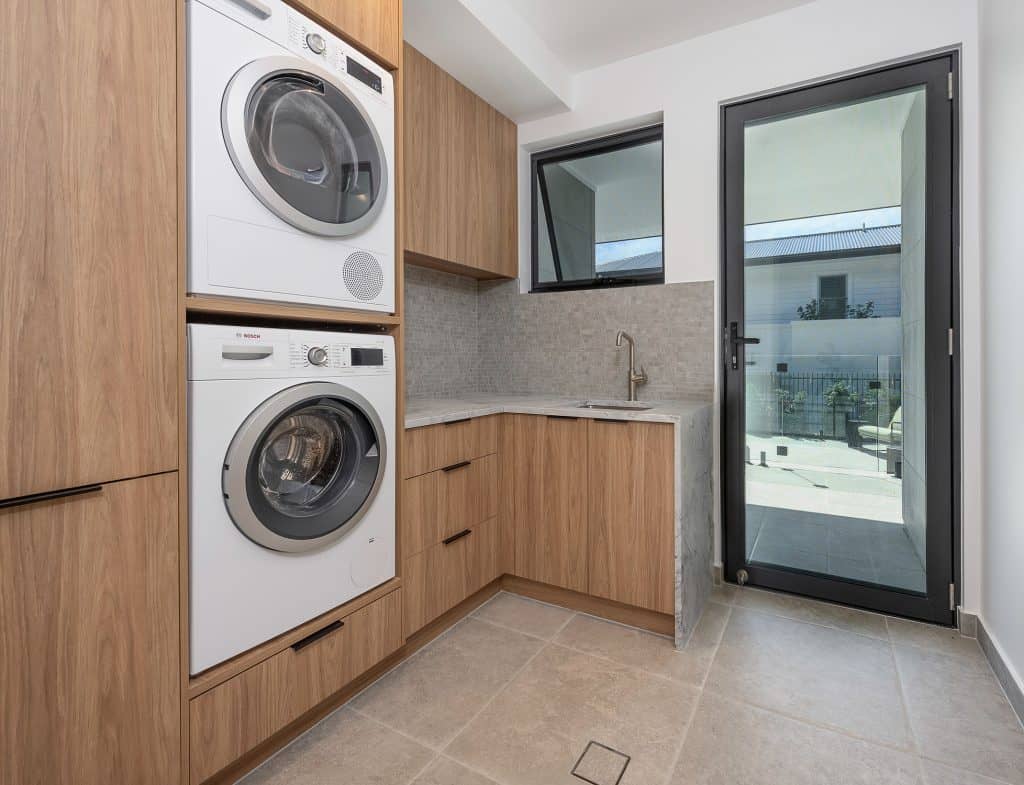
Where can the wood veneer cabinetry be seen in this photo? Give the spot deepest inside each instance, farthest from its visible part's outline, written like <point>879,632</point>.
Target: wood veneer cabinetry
<point>372,25</point>
<point>88,255</point>
<point>631,531</point>
<point>550,499</point>
<point>89,648</point>
<point>460,184</point>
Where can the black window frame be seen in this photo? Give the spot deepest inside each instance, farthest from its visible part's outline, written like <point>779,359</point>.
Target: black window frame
<point>603,144</point>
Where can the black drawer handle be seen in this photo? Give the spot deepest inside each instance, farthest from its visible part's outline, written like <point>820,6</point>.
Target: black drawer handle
<point>457,422</point>
<point>459,536</point>
<point>334,625</point>
<point>46,496</point>
<point>619,422</point>
<point>561,417</point>
<point>454,466</point>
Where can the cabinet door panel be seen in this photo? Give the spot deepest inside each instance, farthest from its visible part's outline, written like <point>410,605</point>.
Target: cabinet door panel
<point>88,243</point>
<point>89,651</point>
<point>550,500</point>
<point>632,500</point>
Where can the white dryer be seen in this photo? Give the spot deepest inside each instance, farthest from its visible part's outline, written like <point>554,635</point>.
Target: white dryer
<point>290,160</point>
<point>291,479</point>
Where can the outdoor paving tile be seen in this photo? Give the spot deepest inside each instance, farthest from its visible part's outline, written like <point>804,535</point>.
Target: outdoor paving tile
<point>838,679</point>
<point>535,730</point>
<point>344,748</point>
<point>959,714</point>
<point>732,743</point>
<point>437,691</point>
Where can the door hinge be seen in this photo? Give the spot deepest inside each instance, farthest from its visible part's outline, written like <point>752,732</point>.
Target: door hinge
<point>952,596</point>
<point>951,342</point>
<point>949,85</point>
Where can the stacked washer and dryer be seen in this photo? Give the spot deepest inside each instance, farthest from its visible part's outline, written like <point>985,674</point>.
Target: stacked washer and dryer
<point>291,432</point>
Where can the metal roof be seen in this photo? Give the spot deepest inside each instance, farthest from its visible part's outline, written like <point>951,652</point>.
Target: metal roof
<point>849,242</point>
<point>644,261</point>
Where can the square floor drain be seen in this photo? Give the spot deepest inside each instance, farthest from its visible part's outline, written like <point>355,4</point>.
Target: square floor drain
<point>600,765</point>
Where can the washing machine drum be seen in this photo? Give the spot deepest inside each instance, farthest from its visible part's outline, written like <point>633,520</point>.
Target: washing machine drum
<point>305,146</point>
<point>304,467</point>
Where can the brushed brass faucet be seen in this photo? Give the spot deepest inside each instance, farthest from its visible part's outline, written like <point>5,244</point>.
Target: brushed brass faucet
<point>635,378</point>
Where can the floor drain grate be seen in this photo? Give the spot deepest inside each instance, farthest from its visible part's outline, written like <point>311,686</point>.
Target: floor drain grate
<point>600,765</point>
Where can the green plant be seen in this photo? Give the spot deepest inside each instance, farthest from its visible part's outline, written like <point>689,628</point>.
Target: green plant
<point>810,311</point>
<point>813,310</point>
<point>788,403</point>
<point>862,311</point>
<point>836,395</point>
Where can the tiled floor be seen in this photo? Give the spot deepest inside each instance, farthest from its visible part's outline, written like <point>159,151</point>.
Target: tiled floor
<point>856,548</point>
<point>771,690</point>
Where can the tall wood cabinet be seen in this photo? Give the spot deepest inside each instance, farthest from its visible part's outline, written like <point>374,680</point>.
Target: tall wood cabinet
<point>550,499</point>
<point>89,650</point>
<point>460,176</point>
<point>631,532</point>
<point>88,256</point>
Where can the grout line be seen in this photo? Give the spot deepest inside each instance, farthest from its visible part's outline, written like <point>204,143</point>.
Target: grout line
<point>822,625</point>
<point>915,748</point>
<point>426,766</point>
<point>714,654</point>
<point>505,627</point>
<point>670,638</point>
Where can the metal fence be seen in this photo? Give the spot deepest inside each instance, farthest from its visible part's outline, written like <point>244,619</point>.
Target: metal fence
<point>819,403</point>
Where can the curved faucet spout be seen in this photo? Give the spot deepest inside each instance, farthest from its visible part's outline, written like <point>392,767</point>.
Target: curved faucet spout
<point>635,377</point>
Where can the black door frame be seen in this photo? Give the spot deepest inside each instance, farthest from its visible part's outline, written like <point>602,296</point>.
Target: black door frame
<point>941,354</point>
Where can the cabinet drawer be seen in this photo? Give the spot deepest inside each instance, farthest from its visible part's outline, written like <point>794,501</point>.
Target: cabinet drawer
<point>441,577</point>
<point>436,446</point>
<point>239,714</point>
<point>442,503</point>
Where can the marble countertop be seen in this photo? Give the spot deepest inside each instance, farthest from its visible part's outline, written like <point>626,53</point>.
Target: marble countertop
<point>431,411</point>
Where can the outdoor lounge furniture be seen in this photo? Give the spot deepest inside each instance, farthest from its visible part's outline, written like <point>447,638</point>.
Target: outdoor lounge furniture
<point>891,435</point>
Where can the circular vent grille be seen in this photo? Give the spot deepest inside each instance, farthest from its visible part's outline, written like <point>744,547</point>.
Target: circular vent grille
<point>363,275</point>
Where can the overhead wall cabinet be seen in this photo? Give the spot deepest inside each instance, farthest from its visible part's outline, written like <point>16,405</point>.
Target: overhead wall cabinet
<point>460,176</point>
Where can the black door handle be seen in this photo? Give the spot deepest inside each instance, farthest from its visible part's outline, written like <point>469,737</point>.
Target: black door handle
<point>735,339</point>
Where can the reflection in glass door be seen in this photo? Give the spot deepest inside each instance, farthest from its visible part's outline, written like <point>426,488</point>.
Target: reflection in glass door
<point>838,286</point>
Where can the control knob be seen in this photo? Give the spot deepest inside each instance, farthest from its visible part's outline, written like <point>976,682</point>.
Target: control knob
<point>317,356</point>
<point>316,43</point>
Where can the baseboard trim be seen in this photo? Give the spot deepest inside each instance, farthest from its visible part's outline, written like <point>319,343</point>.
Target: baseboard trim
<point>967,623</point>
<point>661,623</point>
<point>1005,675</point>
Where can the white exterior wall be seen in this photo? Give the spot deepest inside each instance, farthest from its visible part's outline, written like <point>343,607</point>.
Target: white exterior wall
<point>684,86</point>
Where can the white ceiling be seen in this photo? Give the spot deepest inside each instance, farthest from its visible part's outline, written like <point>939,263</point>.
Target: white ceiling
<point>585,34</point>
<point>522,56</point>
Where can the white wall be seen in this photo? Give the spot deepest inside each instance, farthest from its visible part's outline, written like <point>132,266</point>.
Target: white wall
<point>1003,201</point>
<point>685,85</point>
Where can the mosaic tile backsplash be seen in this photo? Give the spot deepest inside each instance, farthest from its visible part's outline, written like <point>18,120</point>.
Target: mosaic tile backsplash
<point>465,336</point>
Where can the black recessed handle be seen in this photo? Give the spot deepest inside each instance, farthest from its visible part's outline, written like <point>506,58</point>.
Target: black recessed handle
<point>454,466</point>
<point>323,633</point>
<point>456,422</point>
<point>611,420</point>
<point>46,496</point>
<point>561,417</point>
<point>459,536</point>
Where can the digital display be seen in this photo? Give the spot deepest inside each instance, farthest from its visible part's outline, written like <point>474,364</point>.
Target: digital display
<point>364,75</point>
<point>367,356</point>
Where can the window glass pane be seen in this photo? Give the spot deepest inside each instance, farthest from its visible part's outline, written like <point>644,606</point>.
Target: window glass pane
<point>599,214</point>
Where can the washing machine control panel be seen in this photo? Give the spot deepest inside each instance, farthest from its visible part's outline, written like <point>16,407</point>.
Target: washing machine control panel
<point>311,41</point>
<point>363,358</point>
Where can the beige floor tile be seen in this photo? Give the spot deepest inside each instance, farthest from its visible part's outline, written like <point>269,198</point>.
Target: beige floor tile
<point>814,673</point>
<point>730,743</point>
<point>344,749</point>
<point>445,771</point>
<point>536,729</point>
<point>652,653</point>
<point>959,714</point>
<point>434,694</point>
<point>937,774</point>
<point>814,612</point>
<point>724,593</point>
<point>520,613</point>
<point>932,637</point>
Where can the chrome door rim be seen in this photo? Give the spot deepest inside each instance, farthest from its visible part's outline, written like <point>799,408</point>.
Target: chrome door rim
<point>247,438</point>
<point>232,122</point>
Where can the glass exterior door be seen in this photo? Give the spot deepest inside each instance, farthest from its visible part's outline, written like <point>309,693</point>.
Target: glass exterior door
<point>839,464</point>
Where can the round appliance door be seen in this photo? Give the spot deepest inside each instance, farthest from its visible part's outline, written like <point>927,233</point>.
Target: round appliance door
<point>302,142</point>
<point>304,467</point>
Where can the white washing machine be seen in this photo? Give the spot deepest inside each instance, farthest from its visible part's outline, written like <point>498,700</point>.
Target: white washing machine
<point>290,160</point>
<point>291,479</point>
